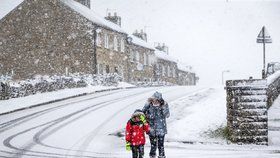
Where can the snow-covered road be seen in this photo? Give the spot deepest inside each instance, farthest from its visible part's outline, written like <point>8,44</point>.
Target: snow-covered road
<point>92,126</point>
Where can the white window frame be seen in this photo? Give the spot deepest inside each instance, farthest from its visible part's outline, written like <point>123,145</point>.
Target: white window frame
<point>131,56</point>
<point>106,41</point>
<point>145,58</point>
<point>122,45</point>
<point>100,69</point>
<point>168,71</point>
<point>115,43</point>
<point>98,39</point>
<point>163,70</point>
<point>137,56</point>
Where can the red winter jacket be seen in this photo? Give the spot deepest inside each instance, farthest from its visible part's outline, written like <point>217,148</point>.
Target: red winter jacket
<point>135,132</point>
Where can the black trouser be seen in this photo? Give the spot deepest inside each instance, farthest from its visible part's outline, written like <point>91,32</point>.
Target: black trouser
<point>157,141</point>
<point>137,151</point>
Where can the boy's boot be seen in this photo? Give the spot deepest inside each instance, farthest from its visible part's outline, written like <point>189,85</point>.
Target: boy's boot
<point>152,156</point>
<point>161,157</point>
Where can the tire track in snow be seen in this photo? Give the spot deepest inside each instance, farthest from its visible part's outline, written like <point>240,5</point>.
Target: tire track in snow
<point>95,132</point>
<point>7,142</point>
<point>12,123</point>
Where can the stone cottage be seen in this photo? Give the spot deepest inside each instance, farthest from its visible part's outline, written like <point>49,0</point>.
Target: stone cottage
<point>141,58</point>
<point>58,37</point>
<point>185,75</point>
<point>166,66</point>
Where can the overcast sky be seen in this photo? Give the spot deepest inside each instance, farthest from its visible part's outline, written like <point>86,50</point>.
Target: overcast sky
<point>212,36</point>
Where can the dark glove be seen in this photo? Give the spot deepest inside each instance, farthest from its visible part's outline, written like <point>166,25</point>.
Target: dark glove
<point>162,102</point>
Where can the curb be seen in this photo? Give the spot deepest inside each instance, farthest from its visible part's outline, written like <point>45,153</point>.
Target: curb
<point>62,99</point>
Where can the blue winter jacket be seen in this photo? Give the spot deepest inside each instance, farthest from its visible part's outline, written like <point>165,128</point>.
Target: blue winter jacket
<point>156,116</point>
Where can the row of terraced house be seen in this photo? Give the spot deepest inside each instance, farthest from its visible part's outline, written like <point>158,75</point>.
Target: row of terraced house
<point>58,37</point>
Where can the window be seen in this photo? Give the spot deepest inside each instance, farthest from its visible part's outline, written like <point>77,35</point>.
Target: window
<point>120,70</point>
<point>122,45</point>
<point>131,56</point>
<point>151,60</point>
<point>163,70</point>
<point>98,39</point>
<point>174,72</point>
<point>106,41</point>
<point>115,43</point>
<point>158,69</point>
<point>145,59</point>
<point>137,56</point>
<point>107,69</point>
<point>66,71</point>
<point>100,68</point>
<point>168,70</point>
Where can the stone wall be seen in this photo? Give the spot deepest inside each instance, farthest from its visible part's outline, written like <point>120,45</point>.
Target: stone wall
<point>247,111</point>
<point>44,37</point>
<point>273,90</point>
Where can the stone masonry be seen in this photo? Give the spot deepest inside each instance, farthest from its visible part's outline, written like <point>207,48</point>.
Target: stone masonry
<point>141,63</point>
<point>247,111</point>
<point>46,38</point>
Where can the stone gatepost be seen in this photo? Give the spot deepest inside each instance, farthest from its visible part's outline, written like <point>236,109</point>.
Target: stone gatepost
<point>247,111</point>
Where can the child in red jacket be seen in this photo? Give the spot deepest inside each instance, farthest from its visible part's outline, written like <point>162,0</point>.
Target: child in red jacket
<point>135,134</point>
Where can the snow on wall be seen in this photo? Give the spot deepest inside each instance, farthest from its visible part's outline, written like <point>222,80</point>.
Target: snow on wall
<point>270,79</point>
<point>6,6</point>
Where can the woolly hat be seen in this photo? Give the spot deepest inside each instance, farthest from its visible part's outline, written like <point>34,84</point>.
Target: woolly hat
<point>157,96</point>
<point>137,112</point>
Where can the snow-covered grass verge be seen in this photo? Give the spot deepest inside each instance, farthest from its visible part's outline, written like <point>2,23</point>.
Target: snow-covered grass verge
<point>200,117</point>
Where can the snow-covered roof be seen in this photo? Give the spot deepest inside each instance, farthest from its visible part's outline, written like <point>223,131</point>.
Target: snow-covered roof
<point>6,6</point>
<point>91,15</point>
<point>164,56</point>
<point>184,67</point>
<point>140,42</point>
